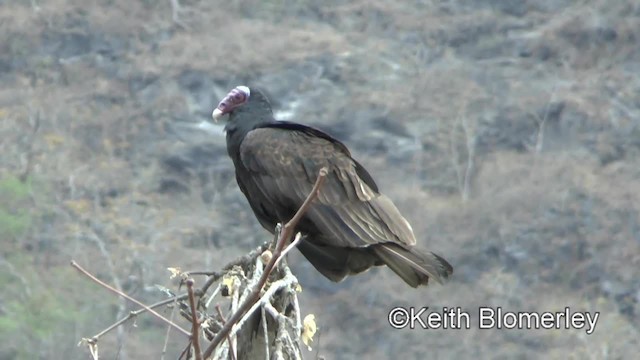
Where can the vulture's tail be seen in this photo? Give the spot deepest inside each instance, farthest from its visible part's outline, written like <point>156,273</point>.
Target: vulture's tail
<point>413,265</point>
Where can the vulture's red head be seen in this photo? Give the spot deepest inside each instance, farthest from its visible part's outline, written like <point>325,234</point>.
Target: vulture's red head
<point>247,108</point>
<point>236,97</point>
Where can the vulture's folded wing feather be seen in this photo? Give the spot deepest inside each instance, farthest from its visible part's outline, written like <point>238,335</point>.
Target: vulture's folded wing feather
<point>284,164</point>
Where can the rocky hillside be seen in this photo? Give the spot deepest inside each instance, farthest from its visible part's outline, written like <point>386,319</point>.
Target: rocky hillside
<point>507,132</point>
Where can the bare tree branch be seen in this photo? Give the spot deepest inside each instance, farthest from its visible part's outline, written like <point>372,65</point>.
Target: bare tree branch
<point>266,334</point>
<point>195,332</point>
<point>241,306</point>
<point>176,9</point>
<point>470,143</point>
<point>122,305</point>
<point>166,337</point>
<point>231,347</point>
<point>112,289</point>
<point>34,121</point>
<point>284,237</point>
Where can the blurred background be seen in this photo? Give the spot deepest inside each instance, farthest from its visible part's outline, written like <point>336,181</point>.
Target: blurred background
<point>507,132</point>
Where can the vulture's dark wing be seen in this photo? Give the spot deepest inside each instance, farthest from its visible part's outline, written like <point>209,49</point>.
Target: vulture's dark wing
<point>283,161</point>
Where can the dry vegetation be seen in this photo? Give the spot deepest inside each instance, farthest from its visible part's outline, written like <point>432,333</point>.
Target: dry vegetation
<point>507,132</point>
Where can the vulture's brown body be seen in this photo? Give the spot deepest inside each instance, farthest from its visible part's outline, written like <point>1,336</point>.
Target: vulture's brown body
<point>351,226</point>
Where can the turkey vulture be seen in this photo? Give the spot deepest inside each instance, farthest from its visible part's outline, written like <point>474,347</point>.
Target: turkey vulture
<point>351,226</point>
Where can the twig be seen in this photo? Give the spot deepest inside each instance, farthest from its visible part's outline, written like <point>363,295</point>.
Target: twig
<point>195,333</point>
<point>112,289</point>
<point>98,239</point>
<point>231,347</point>
<point>215,292</point>
<point>93,350</point>
<point>175,14</point>
<point>284,237</point>
<point>543,121</point>
<point>298,325</point>
<point>209,282</point>
<point>283,337</point>
<point>264,299</point>
<point>463,180</point>
<point>266,334</point>
<point>293,244</point>
<point>166,338</point>
<point>214,276</point>
<point>120,354</point>
<point>18,275</point>
<point>471,139</point>
<point>135,313</point>
<point>184,352</point>
<point>35,124</point>
<point>290,226</point>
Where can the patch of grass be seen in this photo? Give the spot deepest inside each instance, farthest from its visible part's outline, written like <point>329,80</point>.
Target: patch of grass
<point>38,318</point>
<point>14,215</point>
<point>33,310</point>
<point>12,188</point>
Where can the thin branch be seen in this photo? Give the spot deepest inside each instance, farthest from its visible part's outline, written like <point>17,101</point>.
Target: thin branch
<point>98,239</point>
<point>293,244</point>
<point>282,334</point>
<point>215,292</point>
<point>217,274</point>
<point>455,155</point>
<point>470,137</point>
<point>245,259</point>
<point>93,350</point>
<point>290,226</point>
<point>184,352</point>
<point>175,14</point>
<point>266,334</point>
<point>543,121</point>
<point>195,333</point>
<point>166,338</point>
<point>18,275</point>
<point>287,280</point>
<point>284,237</point>
<point>298,325</point>
<point>112,289</point>
<point>232,350</point>
<point>135,313</point>
<point>35,126</point>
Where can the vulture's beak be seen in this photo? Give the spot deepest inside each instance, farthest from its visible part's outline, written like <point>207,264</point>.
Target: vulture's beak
<point>216,115</point>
